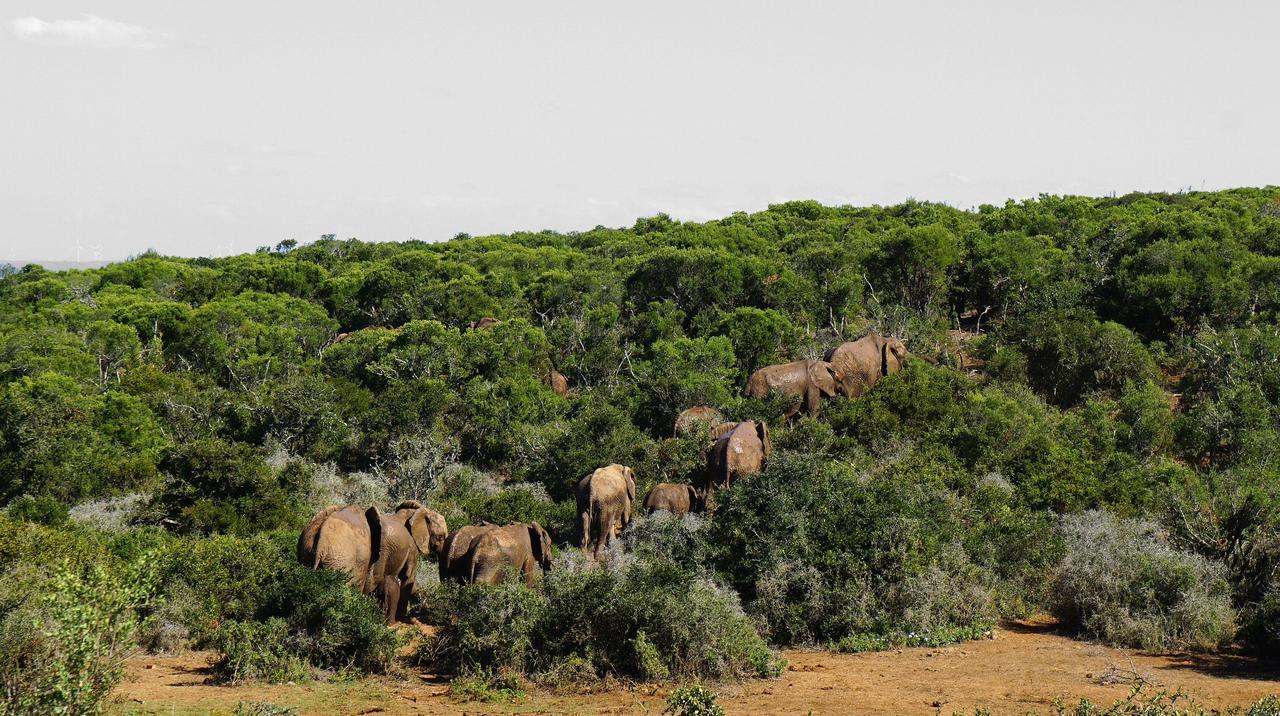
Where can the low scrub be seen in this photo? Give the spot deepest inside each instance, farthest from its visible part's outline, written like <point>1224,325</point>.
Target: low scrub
<point>1122,582</point>
<point>639,617</point>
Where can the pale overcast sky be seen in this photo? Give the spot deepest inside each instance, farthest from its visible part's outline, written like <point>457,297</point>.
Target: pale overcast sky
<point>200,128</point>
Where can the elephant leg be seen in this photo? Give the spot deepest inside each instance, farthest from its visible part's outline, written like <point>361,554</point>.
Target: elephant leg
<point>390,597</point>
<point>812,400</point>
<point>402,605</point>
<point>586,528</point>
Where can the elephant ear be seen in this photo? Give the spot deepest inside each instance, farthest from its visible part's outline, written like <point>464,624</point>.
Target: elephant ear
<point>420,528</point>
<point>374,520</point>
<point>693,496</point>
<point>540,543</point>
<point>762,432</point>
<point>631,482</point>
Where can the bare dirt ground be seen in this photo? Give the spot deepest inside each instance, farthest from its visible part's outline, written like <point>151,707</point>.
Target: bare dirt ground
<point>1023,669</point>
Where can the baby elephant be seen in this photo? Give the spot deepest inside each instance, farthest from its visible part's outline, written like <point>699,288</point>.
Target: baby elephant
<point>674,498</point>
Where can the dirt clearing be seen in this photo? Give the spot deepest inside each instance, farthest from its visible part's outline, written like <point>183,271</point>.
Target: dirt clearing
<point>1023,669</point>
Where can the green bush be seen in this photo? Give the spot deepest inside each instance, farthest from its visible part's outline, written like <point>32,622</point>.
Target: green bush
<point>257,651</point>
<point>45,510</point>
<point>693,701</point>
<point>644,618</point>
<point>85,626</point>
<point>826,550</point>
<point>1121,582</point>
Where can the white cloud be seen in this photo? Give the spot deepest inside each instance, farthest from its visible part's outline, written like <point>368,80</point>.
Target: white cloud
<point>89,31</point>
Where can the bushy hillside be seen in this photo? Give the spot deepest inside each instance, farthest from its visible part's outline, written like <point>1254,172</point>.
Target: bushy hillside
<point>1116,360</point>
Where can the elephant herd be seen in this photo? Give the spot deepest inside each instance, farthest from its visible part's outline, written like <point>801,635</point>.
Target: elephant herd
<point>380,552</point>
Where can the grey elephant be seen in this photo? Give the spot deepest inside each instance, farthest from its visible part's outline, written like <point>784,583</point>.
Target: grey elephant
<point>678,499</point>
<point>605,498</point>
<point>692,419</point>
<point>520,548</point>
<point>863,362</point>
<point>809,380</point>
<point>408,532</point>
<point>342,538</point>
<point>741,452</point>
<point>455,563</point>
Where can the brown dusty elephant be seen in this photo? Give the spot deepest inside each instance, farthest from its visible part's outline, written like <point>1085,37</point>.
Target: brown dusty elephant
<point>483,324</point>
<point>810,380</point>
<point>862,363</point>
<point>604,505</point>
<point>557,382</point>
<point>741,452</point>
<point>519,546</point>
<point>691,419</point>
<point>455,562</point>
<point>342,538</point>
<point>721,429</point>
<point>408,532</point>
<point>678,499</point>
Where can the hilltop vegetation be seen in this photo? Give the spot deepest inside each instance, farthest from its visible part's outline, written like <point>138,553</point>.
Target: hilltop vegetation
<point>1113,360</point>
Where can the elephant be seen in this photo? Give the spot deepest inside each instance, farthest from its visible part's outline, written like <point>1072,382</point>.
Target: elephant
<point>408,532</point>
<point>455,563</point>
<point>721,429</point>
<point>690,419</point>
<point>557,382</point>
<point>342,538</point>
<point>378,552</point>
<point>675,498</point>
<point>604,505</point>
<point>811,380</point>
<point>738,453</point>
<point>483,324</point>
<point>518,546</point>
<point>863,362</point>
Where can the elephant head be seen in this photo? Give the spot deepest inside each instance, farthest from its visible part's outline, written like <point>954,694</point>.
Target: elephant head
<point>826,378</point>
<point>893,354</point>
<point>762,432</point>
<point>427,526</point>
<point>540,543</point>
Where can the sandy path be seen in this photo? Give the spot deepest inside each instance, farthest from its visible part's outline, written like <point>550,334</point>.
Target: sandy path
<point>1024,668</point>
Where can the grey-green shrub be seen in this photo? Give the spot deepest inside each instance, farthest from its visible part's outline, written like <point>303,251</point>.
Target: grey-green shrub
<point>636,616</point>
<point>1122,582</point>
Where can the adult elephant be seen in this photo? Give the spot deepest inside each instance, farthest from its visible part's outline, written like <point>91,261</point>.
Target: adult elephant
<point>345,538</point>
<point>810,380</point>
<point>455,563</point>
<point>604,505</point>
<point>678,499</point>
<point>692,419</point>
<point>741,452</point>
<point>862,363</point>
<point>407,533</point>
<point>520,548</point>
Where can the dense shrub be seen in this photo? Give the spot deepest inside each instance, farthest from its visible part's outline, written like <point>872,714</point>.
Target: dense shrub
<point>1120,581</point>
<point>826,551</point>
<point>637,617</point>
<point>84,627</point>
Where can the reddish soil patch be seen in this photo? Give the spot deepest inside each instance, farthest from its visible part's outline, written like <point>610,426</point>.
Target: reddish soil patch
<point>1023,669</point>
